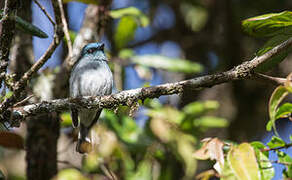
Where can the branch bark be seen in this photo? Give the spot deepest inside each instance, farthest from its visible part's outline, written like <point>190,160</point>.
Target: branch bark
<point>20,85</point>
<point>240,72</point>
<point>7,33</point>
<point>41,146</point>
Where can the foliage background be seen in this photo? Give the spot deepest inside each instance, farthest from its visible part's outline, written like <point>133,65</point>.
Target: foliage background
<point>207,32</point>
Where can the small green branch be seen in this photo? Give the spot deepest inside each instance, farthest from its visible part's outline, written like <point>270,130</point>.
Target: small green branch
<point>277,148</point>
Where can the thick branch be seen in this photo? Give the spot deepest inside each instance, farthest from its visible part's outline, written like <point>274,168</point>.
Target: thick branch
<point>242,71</point>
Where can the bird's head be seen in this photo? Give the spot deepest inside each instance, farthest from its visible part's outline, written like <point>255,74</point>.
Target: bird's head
<point>94,50</point>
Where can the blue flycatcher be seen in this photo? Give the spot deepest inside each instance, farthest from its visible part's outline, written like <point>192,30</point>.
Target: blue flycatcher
<point>90,76</point>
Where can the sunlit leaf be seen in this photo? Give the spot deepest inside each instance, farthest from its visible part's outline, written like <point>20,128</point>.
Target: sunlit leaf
<point>211,122</point>
<point>269,24</point>
<point>168,113</point>
<point>185,148</point>
<point>125,31</point>
<point>226,173</point>
<point>143,172</point>
<point>66,120</point>
<point>127,129</point>
<point>72,35</point>
<point>131,11</point>
<point>166,63</point>
<point>273,61</point>
<point>284,110</point>
<point>198,108</point>
<point>265,166</point>
<point>91,162</point>
<point>126,53</point>
<point>11,140</point>
<point>259,145</point>
<point>7,95</point>
<point>195,16</point>
<point>276,142</point>
<point>287,160</point>
<point>278,95</point>
<point>243,162</point>
<point>70,174</point>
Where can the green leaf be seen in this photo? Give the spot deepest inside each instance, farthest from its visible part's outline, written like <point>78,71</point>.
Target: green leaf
<point>91,162</point>
<point>243,163</point>
<point>66,120</point>
<point>126,53</point>
<point>273,61</point>
<point>72,35</point>
<point>269,24</point>
<point>143,172</point>
<point>265,166</point>
<point>259,145</point>
<point>278,95</point>
<point>198,108</point>
<point>211,122</point>
<point>70,174</point>
<point>283,110</point>
<point>195,16</point>
<point>168,113</point>
<point>166,63</point>
<point>125,31</point>
<point>285,159</point>
<point>126,129</point>
<point>29,28</point>
<point>7,95</point>
<point>131,11</point>
<point>226,173</point>
<point>276,142</point>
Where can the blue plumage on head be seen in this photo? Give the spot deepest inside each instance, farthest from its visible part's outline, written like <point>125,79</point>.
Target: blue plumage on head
<point>94,50</point>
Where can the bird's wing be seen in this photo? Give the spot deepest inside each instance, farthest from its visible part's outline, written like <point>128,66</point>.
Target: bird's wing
<point>74,115</point>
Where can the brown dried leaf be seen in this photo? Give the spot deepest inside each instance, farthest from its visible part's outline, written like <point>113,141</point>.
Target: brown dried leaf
<point>212,149</point>
<point>11,140</point>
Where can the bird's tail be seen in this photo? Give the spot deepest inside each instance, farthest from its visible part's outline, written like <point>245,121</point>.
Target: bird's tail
<point>84,143</point>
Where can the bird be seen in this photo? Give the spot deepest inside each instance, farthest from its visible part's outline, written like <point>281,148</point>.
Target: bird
<point>90,76</point>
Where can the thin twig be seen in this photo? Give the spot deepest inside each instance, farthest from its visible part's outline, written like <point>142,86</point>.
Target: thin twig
<point>66,31</point>
<point>277,148</point>
<point>269,79</point>
<point>277,162</point>
<point>45,12</point>
<point>23,101</point>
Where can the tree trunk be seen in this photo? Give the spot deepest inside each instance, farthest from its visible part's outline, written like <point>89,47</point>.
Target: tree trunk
<point>41,147</point>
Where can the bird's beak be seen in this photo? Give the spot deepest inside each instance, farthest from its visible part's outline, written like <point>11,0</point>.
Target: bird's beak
<point>102,47</point>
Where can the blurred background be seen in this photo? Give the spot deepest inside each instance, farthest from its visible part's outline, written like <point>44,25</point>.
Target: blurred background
<point>167,42</point>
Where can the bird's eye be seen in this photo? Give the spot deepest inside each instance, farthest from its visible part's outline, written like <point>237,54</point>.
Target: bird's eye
<point>91,50</point>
